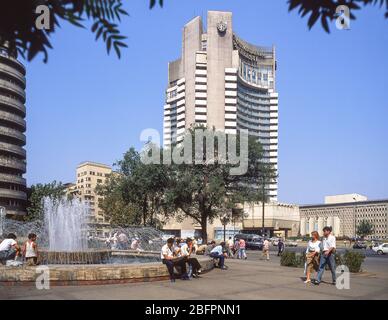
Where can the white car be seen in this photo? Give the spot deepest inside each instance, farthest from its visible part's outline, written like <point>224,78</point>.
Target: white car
<point>381,249</point>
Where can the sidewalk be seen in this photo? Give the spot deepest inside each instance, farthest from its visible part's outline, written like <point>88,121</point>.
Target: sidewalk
<point>249,279</point>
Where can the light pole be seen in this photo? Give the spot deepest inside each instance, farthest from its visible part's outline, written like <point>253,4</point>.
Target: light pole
<point>225,220</point>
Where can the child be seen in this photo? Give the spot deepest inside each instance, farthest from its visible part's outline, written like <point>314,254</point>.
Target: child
<point>30,250</point>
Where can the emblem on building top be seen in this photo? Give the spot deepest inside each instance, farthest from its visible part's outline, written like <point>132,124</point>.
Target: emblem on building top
<point>222,26</point>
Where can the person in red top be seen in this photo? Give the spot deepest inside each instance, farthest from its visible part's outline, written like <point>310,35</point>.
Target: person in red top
<point>241,249</point>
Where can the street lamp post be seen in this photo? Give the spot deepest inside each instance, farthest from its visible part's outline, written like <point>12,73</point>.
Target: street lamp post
<point>225,220</point>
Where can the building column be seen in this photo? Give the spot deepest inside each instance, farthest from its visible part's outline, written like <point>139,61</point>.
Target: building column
<point>320,225</point>
<point>330,222</point>
<point>311,224</point>
<point>302,227</point>
<point>337,225</point>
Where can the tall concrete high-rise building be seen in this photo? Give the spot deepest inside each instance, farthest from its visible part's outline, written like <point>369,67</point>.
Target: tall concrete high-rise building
<point>224,82</point>
<point>13,195</point>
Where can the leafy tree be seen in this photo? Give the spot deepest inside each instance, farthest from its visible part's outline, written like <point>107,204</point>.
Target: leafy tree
<point>35,195</point>
<point>19,32</point>
<point>325,10</point>
<point>365,228</point>
<point>208,191</point>
<point>134,195</point>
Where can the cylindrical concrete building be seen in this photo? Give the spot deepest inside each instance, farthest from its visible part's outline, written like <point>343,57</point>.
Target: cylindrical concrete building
<point>12,138</point>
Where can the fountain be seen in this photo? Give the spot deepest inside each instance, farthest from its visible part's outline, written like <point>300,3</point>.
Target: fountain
<point>66,223</point>
<point>65,245</point>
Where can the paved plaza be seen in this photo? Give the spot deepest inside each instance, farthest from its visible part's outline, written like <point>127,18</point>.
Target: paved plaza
<point>250,279</point>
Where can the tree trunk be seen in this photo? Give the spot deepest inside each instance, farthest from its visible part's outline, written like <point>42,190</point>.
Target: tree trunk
<point>145,212</point>
<point>204,228</point>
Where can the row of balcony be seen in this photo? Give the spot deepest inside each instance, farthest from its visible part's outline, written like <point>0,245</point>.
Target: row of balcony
<point>13,163</point>
<point>13,194</point>
<point>10,178</point>
<point>17,63</point>
<point>14,118</point>
<point>12,133</point>
<point>12,72</point>
<point>13,87</point>
<point>11,148</point>
<point>13,103</point>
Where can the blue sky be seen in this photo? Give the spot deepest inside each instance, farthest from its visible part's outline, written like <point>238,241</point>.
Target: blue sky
<point>86,105</point>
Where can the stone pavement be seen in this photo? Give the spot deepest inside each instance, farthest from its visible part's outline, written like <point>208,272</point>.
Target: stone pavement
<point>250,279</point>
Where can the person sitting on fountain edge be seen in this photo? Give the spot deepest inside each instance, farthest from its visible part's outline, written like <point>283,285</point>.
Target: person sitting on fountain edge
<point>8,248</point>
<point>218,253</point>
<point>30,250</point>
<point>170,260</point>
<point>186,251</point>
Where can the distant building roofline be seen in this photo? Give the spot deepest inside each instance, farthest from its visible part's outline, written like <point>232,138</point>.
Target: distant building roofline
<point>344,204</point>
<point>91,163</point>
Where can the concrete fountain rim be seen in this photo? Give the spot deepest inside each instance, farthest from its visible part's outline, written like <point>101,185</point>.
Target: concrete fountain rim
<point>89,274</point>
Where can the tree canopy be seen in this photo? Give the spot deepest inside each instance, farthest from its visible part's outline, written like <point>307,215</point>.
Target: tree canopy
<point>37,192</point>
<point>151,193</point>
<point>365,228</point>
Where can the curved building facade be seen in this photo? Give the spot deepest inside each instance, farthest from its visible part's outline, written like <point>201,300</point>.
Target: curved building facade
<point>224,82</point>
<point>12,135</point>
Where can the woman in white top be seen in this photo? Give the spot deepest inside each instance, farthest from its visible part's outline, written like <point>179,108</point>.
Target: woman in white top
<point>312,255</point>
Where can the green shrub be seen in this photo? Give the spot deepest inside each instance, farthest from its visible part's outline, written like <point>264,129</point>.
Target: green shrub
<point>292,259</point>
<point>353,260</point>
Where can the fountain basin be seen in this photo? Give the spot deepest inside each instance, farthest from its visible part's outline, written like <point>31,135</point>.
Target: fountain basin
<point>92,274</point>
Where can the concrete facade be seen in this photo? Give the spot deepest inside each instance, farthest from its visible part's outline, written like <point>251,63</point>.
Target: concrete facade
<point>223,82</point>
<point>89,175</point>
<point>344,217</point>
<point>280,219</point>
<point>13,196</point>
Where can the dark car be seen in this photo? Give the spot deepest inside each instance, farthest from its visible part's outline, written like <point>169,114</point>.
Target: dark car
<point>255,243</point>
<point>360,245</point>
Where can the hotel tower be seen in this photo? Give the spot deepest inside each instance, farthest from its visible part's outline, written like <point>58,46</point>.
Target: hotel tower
<point>224,82</point>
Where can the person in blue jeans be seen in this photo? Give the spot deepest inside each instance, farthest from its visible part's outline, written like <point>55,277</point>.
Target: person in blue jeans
<point>218,253</point>
<point>327,256</point>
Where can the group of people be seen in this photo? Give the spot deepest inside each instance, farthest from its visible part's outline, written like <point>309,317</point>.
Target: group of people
<point>320,254</point>
<point>120,241</point>
<point>178,254</point>
<point>11,251</point>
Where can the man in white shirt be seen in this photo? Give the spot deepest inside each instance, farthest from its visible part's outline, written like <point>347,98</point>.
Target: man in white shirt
<point>218,253</point>
<point>168,258</point>
<point>8,248</point>
<point>327,256</point>
<point>186,251</point>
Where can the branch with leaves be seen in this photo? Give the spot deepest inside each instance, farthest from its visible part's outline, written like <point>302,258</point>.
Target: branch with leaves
<point>326,10</point>
<point>19,33</point>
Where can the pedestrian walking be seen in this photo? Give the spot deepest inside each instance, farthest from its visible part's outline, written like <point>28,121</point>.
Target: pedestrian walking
<point>266,249</point>
<point>327,256</point>
<point>312,255</point>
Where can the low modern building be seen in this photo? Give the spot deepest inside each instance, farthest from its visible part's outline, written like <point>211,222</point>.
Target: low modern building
<point>89,175</point>
<point>280,219</point>
<point>344,213</point>
<point>13,196</point>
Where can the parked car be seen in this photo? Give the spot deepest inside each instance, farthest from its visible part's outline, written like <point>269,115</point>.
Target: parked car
<point>255,243</point>
<point>360,245</point>
<point>290,243</point>
<point>381,249</point>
